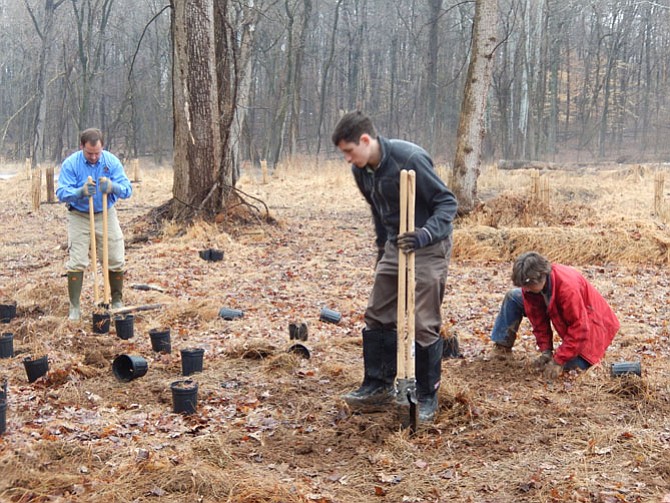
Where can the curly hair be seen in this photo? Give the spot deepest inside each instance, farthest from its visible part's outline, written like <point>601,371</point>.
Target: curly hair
<point>528,268</point>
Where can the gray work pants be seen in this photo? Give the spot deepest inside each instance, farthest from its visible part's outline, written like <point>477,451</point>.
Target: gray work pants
<point>431,265</point>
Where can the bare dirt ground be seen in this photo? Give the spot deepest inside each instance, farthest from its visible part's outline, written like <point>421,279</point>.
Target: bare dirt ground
<point>270,426</point>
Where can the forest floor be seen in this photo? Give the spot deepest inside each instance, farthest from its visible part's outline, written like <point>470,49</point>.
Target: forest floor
<point>270,426</point>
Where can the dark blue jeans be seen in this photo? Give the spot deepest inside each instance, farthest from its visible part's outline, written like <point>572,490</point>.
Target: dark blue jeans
<point>507,324</point>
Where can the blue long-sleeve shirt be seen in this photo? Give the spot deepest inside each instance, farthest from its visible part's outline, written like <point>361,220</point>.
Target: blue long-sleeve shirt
<point>74,172</point>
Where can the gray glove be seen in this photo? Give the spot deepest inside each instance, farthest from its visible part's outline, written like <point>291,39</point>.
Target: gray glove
<point>86,190</point>
<point>107,186</point>
<point>543,359</point>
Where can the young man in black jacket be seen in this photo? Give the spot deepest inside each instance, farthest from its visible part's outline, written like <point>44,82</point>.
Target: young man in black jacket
<point>376,165</point>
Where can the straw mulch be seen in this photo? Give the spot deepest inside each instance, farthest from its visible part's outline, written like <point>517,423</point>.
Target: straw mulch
<point>270,426</point>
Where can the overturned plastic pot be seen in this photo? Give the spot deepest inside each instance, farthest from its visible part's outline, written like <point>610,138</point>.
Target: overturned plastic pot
<point>7,312</point>
<point>125,326</point>
<point>7,345</point>
<point>101,322</point>
<point>129,367</point>
<point>184,396</point>
<point>36,368</point>
<point>330,316</point>
<point>160,340</point>
<point>230,314</point>
<point>211,255</point>
<point>301,350</point>
<point>3,416</point>
<point>626,368</point>
<point>191,360</point>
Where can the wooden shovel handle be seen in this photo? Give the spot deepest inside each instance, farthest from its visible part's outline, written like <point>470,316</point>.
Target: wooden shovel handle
<point>401,323</point>
<point>411,280</point>
<point>105,249</point>
<point>94,254</point>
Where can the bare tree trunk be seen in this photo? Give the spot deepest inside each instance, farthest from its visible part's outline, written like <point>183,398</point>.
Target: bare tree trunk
<point>45,33</point>
<point>197,138</point>
<point>471,127</point>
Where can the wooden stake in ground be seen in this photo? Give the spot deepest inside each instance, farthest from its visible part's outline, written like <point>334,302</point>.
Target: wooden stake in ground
<point>51,193</point>
<point>659,182</point>
<point>406,400</point>
<point>37,189</point>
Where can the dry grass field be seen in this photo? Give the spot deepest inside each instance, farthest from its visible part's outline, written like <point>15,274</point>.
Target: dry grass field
<point>270,425</point>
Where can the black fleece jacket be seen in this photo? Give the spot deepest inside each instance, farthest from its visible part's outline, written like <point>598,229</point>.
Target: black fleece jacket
<point>435,204</point>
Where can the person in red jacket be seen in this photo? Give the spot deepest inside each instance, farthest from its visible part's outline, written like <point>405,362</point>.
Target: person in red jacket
<point>554,294</point>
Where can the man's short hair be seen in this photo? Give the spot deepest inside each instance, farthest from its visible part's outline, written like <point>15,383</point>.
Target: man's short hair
<point>528,268</point>
<point>352,126</point>
<point>92,136</point>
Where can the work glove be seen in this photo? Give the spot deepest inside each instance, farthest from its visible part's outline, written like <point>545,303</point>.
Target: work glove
<point>552,370</point>
<point>107,186</point>
<point>86,190</point>
<point>412,241</point>
<point>380,254</point>
<point>543,359</point>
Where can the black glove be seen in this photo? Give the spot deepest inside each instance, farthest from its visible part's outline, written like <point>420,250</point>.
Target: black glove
<point>412,241</point>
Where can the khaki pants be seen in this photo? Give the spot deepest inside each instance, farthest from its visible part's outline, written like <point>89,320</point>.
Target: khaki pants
<point>431,265</point>
<point>79,240</point>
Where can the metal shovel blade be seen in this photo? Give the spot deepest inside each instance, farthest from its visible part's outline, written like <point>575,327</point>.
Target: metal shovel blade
<point>407,405</point>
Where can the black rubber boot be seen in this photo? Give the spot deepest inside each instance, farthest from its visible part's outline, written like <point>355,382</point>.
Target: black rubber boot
<point>428,376</point>
<point>116,288</point>
<point>380,362</point>
<point>74,282</point>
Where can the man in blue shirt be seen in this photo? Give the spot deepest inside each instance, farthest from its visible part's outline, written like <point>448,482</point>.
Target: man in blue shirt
<point>108,176</point>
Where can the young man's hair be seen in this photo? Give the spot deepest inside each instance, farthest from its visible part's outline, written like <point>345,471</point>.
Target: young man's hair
<point>529,268</point>
<point>92,136</point>
<point>352,126</point>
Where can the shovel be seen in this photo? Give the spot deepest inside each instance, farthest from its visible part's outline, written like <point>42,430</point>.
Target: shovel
<point>406,401</point>
<point>105,251</point>
<point>94,255</point>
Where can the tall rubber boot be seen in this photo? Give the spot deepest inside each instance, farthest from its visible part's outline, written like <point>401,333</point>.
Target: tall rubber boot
<point>74,283</point>
<point>116,288</point>
<point>381,363</point>
<point>428,376</point>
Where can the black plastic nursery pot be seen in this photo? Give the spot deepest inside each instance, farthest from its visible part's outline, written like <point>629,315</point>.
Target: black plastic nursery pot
<point>125,326</point>
<point>101,322</point>
<point>129,367</point>
<point>7,312</point>
<point>36,368</point>
<point>626,368</point>
<point>7,345</point>
<point>191,360</point>
<point>160,340</point>
<point>211,255</point>
<point>184,396</point>
<point>300,349</point>
<point>3,416</point>
<point>297,331</point>
<point>230,314</point>
<point>330,316</point>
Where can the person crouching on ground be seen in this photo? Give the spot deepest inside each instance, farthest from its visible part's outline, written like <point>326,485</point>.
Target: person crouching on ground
<point>554,294</point>
<point>108,176</point>
<point>376,165</point>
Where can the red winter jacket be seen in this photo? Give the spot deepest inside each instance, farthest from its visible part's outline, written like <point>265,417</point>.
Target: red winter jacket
<point>579,314</point>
